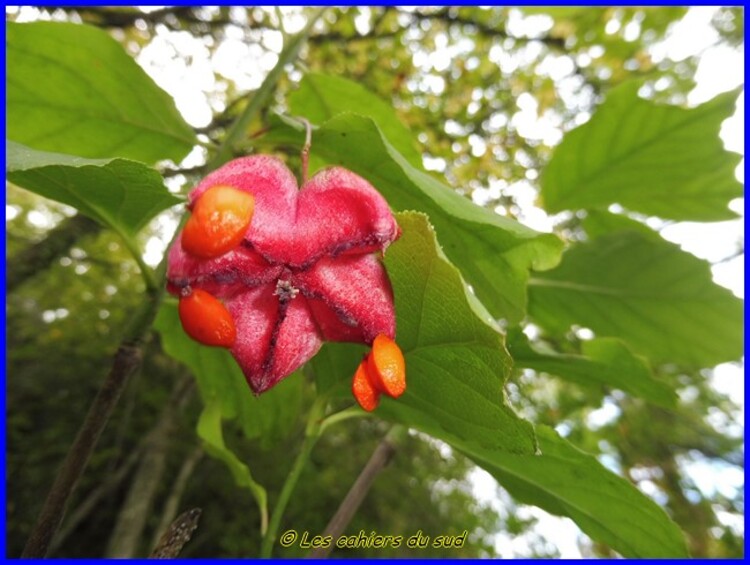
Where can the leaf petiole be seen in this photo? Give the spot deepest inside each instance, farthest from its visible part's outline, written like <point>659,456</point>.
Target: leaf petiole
<point>146,272</point>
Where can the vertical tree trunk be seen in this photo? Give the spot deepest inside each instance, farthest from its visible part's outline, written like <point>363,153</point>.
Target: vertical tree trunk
<point>131,520</point>
<point>175,496</point>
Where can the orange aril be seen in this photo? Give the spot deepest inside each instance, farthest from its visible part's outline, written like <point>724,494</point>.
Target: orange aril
<point>218,223</point>
<point>363,390</point>
<point>386,366</point>
<point>206,319</point>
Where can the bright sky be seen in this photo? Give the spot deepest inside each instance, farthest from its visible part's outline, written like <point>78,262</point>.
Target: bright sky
<point>194,87</point>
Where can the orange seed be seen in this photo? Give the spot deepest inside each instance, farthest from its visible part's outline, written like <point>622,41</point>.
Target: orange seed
<point>366,395</point>
<point>206,319</point>
<point>386,366</point>
<point>218,223</point>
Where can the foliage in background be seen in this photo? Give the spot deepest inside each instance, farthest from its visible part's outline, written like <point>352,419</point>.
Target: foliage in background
<point>365,80</point>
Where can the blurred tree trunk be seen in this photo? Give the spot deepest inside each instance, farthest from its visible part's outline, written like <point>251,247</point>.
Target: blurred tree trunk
<point>38,256</point>
<point>94,498</point>
<point>131,520</point>
<point>175,496</point>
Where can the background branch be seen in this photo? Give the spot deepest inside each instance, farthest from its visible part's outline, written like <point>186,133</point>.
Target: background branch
<point>382,455</point>
<point>39,256</point>
<point>261,96</point>
<point>179,533</point>
<point>94,498</point>
<point>126,362</point>
<point>175,495</point>
<point>131,520</point>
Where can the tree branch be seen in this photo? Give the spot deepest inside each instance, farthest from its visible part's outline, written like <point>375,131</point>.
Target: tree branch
<point>118,17</point>
<point>449,17</point>
<point>382,455</point>
<point>178,534</point>
<point>126,362</point>
<point>239,128</point>
<point>39,256</point>
<point>175,495</point>
<point>95,496</point>
<point>131,519</point>
<point>337,36</point>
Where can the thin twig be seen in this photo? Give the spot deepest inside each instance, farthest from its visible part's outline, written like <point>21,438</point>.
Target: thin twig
<point>238,130</point>
<point>94,497</point>
<point>379,459</point>
<point>286,493</point>
<point>187,171</point>
<point>312,433</point>
<point>305,153</point>
<point>282,27</point>
<point>175,495</point>
<point>126,362</point>
<point>737,253</point>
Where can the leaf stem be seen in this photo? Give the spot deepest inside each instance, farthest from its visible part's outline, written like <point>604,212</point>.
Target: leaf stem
<point>349,413</point>
<point>312,433</point>
<point>152,286</point>
<point>239,128</point>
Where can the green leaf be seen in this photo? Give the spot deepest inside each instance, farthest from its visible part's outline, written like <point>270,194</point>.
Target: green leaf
<point>568,482</point>
<point>210,431</point>
<point>455,362</point>
<point>321,97</point>
<point>494,253</point>
<point>226,396</point>
<point>605,362</point>
<point>600,222</point>
<point>119,193</point>
<point>456,368</point>
<point>649,292</point>
<point>73,89</point>
<point>269,416</point>
<point>334,366</point>
<point>655,159</point>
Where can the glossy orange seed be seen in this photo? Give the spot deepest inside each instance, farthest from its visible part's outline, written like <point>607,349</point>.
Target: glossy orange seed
<point>206,319</point>
<point>218,223</point>
<point>386,366</point>
<point>366,395</point>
